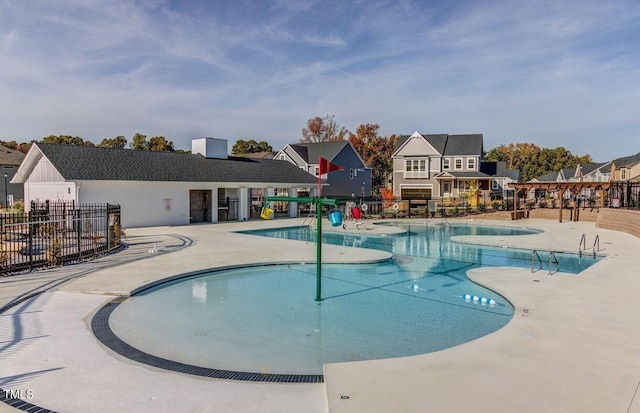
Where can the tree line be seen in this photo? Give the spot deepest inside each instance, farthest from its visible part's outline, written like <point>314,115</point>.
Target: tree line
<point>374,149</point>
<point>138,142</point>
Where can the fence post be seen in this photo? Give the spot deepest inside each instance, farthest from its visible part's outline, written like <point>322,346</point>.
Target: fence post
<point>30,244</point>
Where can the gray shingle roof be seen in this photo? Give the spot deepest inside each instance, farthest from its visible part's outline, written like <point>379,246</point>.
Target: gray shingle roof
<point>93,163</point>
<point>10,156</point>
<point>627,161</point>
<point>312,152</point>
<point>464,145</point>
<point>550,177</point>
<point>464,174</point>
<point>587,168</point>
<point>499,169</point>
<point>451,145</point>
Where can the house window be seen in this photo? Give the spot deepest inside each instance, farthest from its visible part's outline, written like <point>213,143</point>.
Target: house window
<point>350,173</point>
<point>416,168</point>
<point>316,170</point>
<point>446,164</point>
<point>623,174</point>
<point>362,191</point>
<point>494,184</point>
<point>282,157</point>
<point>458,163</point>
<point>471,164</point>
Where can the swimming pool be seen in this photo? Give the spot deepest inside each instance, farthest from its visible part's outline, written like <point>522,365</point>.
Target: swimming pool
<point>263,319</point>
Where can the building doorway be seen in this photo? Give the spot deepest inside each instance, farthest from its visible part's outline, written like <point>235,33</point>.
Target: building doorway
<point>199,206</point>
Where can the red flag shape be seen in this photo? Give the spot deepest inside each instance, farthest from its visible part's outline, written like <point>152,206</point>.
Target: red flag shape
<point>326,166</point>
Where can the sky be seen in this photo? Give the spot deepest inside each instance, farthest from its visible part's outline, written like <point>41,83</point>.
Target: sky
<point>553,73</point>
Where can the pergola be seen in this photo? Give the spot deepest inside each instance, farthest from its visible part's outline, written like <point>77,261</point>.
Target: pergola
<point>561,188</point>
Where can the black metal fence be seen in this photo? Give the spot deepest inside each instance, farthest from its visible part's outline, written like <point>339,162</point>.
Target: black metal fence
<point>623,194</point>
<point>55,233</point>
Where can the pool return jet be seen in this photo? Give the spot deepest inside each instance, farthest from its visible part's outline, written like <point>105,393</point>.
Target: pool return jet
<point>335,216</point>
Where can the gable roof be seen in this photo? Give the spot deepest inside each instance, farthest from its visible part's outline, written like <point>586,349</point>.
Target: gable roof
<point>627,161</point>
<point>449,145</point>
<point>312,152</point>
<point>550,177</point>
<point>10,156</point>
<point>94,163</point>
<point>587,168</point>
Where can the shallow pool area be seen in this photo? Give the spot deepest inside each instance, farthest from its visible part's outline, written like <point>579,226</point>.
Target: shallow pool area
<point>264,319</point>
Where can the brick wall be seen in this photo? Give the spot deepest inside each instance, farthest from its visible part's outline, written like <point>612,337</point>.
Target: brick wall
<point>624,220</point>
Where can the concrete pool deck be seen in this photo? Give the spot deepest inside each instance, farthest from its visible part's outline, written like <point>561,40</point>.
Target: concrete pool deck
<point>572,345</point>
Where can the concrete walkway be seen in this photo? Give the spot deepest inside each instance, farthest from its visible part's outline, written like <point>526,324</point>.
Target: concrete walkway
<point>573,344</point>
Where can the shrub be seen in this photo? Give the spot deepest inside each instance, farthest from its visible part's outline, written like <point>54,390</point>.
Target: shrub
<point>482,207</point>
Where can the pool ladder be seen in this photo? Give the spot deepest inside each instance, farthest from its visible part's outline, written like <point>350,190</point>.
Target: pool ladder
<point>310,221</point>
<point>582,247</point>
<point>552,260</point>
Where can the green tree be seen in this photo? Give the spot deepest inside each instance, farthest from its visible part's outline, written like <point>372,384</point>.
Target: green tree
<point>160,144</point>
<point>376,152</point>
<point>139,142</point>
<point>533,161</point>
<point>117,142</point>
<point>66,140</point>
<point>251,146</point>
<point>323,130</point>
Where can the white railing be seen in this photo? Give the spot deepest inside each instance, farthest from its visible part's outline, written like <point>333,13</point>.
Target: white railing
<point>416,174</point>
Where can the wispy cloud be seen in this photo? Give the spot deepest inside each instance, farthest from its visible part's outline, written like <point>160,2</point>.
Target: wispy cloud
<point>553,73</point>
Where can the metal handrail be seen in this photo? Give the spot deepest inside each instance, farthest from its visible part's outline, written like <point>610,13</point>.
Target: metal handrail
<point>583,243</point>
<point>535,254</point>
<point>311,218</point>
<point>596,242</point>
<point>553,260</point>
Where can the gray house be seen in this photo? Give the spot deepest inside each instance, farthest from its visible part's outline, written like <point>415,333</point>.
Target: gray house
<point>502,177</point>
<point>353,180</point>
<point>438,166</point>
<point>158,188</point>
<point>10,160</point>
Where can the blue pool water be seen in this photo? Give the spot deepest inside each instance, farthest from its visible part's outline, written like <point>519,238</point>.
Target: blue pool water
<point>264,319</point>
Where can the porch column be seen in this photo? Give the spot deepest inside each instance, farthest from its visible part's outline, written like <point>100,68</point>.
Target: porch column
<point>293,206</point>
<point>214,204</point>
<point>562,191</point>
<point>243,201</point>
<point>270,192</point>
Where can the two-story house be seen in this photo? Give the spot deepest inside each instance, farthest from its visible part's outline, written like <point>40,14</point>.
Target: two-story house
<point>438,166</point>
<point>626,168</point>
<point>353,180</point>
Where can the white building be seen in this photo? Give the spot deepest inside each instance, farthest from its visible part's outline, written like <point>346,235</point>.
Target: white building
<point>159,188</point>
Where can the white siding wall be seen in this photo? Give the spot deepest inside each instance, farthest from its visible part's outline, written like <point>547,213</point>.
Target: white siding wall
<point>34,191</point>
<point>44,171</point>
<point>143,203</point>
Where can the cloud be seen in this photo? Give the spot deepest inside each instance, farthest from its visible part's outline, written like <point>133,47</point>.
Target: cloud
<point>553,73</point>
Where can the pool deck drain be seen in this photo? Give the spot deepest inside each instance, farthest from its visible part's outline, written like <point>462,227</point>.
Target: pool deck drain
<point>102,331</point>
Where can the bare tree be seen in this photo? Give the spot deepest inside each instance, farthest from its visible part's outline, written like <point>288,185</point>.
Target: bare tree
<point>323,130</point>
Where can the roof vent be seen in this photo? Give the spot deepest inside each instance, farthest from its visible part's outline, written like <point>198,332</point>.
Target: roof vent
<point>210,147</point>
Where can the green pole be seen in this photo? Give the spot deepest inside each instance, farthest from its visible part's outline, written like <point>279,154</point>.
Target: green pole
<point>318,203</point>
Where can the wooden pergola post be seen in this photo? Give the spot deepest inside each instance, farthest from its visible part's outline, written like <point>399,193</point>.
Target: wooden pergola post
<point>562,191</point>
